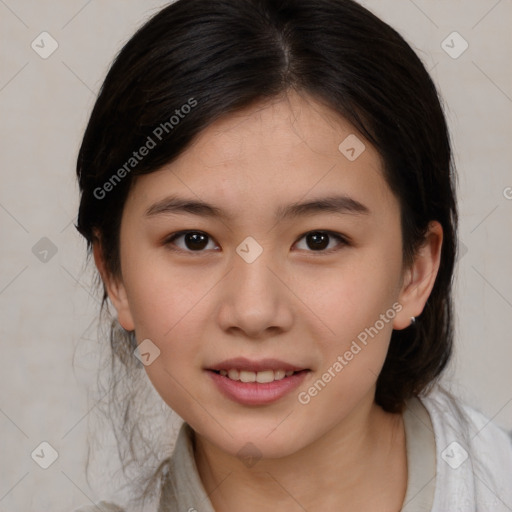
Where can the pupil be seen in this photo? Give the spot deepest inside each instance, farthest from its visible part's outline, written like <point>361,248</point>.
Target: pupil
<point>196,241</point>
<point>317,241</point>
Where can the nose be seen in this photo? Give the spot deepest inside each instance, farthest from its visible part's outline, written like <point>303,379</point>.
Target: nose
<point>254,298</point>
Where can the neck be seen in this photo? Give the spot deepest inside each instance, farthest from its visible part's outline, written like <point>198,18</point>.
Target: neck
<point>359,464</point>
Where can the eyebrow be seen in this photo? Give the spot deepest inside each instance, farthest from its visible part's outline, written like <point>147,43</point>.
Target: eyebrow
<point>338,204</point>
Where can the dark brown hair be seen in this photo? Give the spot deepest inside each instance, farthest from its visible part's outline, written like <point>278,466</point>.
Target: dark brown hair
<point>228,54</point>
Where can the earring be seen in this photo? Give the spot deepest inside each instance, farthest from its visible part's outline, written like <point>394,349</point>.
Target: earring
<point>413,320</point>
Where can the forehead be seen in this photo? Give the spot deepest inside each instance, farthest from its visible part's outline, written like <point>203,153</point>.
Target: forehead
<point>272,153</point>
<point>290,128</point>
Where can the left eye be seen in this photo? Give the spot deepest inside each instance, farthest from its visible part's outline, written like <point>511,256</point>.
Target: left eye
<point>319,241</point>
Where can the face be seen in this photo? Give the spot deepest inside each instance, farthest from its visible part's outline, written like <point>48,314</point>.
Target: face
<point>287,257</point>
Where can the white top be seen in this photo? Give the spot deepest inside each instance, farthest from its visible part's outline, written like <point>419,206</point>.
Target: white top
<point>457,461</point>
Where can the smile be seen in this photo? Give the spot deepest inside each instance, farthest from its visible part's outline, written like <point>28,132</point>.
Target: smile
<point>256,388</point>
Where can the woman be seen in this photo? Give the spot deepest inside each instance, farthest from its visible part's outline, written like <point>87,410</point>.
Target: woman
<point>268,192</point>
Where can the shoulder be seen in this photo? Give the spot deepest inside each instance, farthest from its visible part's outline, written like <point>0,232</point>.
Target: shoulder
<point>454,417</point>
<point>474,455</point>
<point>102,506</point>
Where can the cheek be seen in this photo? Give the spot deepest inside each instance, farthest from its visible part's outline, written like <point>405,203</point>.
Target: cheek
<point>358,302</point>
<point>176,331</point>
<point>162,295</point>
<point>359,307</point>
<point>168,308</point>
<point>352,296</point>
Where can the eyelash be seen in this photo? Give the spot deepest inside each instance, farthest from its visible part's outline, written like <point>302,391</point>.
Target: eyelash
<point>343,241</point>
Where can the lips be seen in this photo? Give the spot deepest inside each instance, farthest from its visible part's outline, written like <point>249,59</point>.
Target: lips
<point>256,383</point>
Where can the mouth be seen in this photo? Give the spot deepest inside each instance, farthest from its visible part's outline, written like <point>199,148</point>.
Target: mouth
<point>256,382</point>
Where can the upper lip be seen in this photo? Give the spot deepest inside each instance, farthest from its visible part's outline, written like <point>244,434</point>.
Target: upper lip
<point>241,363</point>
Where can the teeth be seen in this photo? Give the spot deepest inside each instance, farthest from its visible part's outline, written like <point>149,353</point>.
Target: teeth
<point>246,376</point>
<point>279,374</point>
<point>261,377</point>
<point>265,376</point>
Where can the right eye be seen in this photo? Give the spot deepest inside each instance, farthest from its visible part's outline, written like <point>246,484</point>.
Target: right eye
<point>192,241</point>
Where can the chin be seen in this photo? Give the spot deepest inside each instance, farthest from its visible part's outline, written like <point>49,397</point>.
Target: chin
<point>251,442</point>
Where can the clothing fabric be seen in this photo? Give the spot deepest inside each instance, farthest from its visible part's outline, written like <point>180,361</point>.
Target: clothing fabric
<point>457,461</point>
<point>421,458</point>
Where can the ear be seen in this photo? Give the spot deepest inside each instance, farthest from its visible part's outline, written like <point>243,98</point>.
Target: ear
<point>420,277</point>
<point>114,287</point>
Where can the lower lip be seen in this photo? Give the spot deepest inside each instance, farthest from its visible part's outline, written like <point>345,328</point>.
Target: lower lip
<point>255,393</point>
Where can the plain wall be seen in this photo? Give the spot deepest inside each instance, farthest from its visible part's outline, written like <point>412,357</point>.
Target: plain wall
<point>48,308</point>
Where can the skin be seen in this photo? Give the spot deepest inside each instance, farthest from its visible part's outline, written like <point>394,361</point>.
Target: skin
<point>340,451</point>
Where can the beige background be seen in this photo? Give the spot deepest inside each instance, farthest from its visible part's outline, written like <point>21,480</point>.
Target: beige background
<point>48,309</point>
